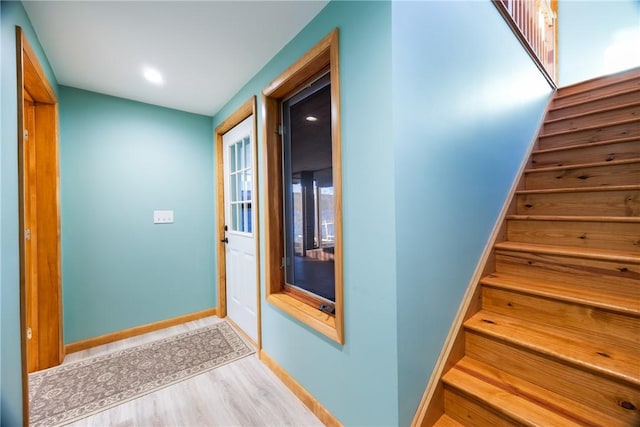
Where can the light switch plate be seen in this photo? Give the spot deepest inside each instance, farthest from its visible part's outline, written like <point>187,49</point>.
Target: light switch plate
<point>163,217</point>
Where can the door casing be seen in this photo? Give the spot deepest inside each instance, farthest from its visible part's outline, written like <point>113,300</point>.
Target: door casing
<point>42,219</point>
<point>245,110</point>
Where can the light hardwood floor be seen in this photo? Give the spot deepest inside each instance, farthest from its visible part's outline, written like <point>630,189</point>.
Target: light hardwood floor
<point>242,393</point>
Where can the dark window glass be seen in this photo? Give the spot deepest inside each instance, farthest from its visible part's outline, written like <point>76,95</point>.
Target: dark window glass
<point>308,190</point>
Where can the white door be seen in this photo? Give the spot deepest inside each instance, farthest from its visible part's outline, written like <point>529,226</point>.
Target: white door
<point>239,220</point>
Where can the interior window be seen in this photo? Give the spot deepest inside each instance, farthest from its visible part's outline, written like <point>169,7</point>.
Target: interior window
<point>308,191</point>
<point>303,191</point>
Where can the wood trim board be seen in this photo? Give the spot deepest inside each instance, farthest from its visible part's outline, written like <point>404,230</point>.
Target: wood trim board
<point>21,220</point>
<point>307,398</point>
<point>39,213</point>
<point>137,330</point>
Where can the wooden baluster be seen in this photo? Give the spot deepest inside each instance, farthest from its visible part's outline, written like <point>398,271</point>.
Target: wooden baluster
<point>530,18</point>
<point>519,16</point>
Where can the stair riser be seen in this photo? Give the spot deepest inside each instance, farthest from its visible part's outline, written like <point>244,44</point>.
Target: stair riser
<point>581,177</point>
<point>583,234</point>
<point>615,277</point>
<point>596,119</point>
<point>470,413</point>
<point>561,314</point>
<point>598,203</point>
<point>587,154</point>
<point>598,134</point>
<point>622,86</point>
<point>623,304</point>
<point>595,105</point>
<point>587,388</point>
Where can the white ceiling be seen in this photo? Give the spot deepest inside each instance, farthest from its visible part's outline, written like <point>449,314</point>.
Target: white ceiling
<point>205,50</point>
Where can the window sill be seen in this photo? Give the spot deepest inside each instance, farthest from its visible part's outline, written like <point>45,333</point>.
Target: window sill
<point>310,316</point>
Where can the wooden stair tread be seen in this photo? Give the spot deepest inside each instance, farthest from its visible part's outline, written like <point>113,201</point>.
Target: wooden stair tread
<point>571,251</point>
<point>582,165</point>
<point>583,101</point>
<point>568,132</point>
<point>580,98</point>
<point>603,356</point>
<point>591,84</point>
<point>597,84</point>
<point>586,145</point>
<point>603,80</point>
<point>521,400</point>
<point>593,112</point>
<point>585,218</point>
<point>627,303</point>
<point>608,151</point>
<point>447,421</point>
<point>580,189</point>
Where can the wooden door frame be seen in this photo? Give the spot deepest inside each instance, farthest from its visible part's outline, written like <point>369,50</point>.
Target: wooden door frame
<point>32,79</point>
<point>245,110</point>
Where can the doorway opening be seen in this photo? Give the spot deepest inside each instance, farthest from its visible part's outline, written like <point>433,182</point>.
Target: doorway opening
<point>39,217</point>
<point>237,221</point>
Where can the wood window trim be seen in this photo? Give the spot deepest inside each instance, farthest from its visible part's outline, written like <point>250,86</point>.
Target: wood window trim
<point>322,55</point>
<point>305,296</point>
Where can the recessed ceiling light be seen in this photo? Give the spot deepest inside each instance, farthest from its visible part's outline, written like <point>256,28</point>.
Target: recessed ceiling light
<point>153,76</point>
<point>311,118</point>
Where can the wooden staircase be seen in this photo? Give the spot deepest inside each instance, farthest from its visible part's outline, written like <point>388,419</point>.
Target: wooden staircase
<point>552,337</point>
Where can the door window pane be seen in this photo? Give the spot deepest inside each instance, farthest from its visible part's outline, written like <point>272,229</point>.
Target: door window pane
<point>232,158</point>
<point>247,153</point>
<point>241,185</point>
<point>234,217</point>
<point>233,191</point>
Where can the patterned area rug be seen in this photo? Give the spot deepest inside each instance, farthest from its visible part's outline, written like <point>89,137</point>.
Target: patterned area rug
<point>70,392</point>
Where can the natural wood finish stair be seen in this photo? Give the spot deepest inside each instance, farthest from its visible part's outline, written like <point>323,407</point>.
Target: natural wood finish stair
<point>606,356</point>
<point>594,133</point>
<point>446,421</point>
<point>619,172</point>
<point>597,152</point>
<point>625,301</point>
<point>600,117</point>
<point>584,93</point>
<point>526,403</point>
<point>585,106</point>
<point>605,201</point>
<point>552,334</point>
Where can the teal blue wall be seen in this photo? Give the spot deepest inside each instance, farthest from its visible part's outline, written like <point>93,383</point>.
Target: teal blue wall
<point>119,161</point>
<point>586,29</point>
<point>355,382</point>
<point>467,101</point>
<point>11,382</point>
